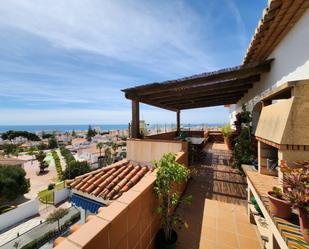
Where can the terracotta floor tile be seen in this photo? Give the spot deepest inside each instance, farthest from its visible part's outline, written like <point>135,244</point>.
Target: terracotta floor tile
<point>209,234</point>
<point>226,239</point>
<point>245,243</point>
<point>216,215</point>
<point>210,221</point>
<point>241,219</point>
<point>207,244</point>
<point>226,224</point>
<point>211,212</point>
<point>246,230</point>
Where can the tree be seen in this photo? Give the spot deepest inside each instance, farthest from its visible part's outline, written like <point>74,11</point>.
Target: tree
<point>13,182</point>
<point>10,149</point>
<point>244,151</point>
<point>57,215</point>
<point>108,155</point>
<point>169,173</point>
<point>42,164</point>
<point>114,146</point>
<point>52,143</point>
<point>73,133</point>
<point>76,168</point>
<point>13,134</point>
<point>100,147</point>
<point>90,133</point>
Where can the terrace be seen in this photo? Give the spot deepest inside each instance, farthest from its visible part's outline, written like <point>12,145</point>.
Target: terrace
<point>223,214</point>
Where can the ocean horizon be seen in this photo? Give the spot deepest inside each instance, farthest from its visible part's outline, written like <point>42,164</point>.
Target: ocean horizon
<point>82,127</point>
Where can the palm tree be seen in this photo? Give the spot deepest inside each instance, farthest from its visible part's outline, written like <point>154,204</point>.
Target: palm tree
<point>108,155</point>
<point>100,146</point>
<point>57,215</point>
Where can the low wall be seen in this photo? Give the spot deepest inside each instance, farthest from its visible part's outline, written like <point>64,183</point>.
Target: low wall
<point>61,195</point>
<point>129,222</point>
<point>164,136</point>
<point>147,150</point>
<point>22,212</point>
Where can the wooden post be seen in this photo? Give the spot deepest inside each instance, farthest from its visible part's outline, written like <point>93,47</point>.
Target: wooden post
<point>135,119</point>
<point>178,121</point>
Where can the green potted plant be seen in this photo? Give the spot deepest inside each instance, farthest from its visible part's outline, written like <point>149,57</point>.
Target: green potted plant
<point>169,173</point>
<point>278,205</point>
<point>296,188</point>
<point>227,133</point>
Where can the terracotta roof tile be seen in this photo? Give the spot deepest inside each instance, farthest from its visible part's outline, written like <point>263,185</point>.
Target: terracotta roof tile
<point>110,182</point>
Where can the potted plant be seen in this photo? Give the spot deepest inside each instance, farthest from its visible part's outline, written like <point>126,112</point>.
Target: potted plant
<point>169,173</point>
<point>227,133</point>
<point>296,186</point>
<point>278,205</point>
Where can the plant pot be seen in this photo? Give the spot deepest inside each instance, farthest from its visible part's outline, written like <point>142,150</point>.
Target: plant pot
<point>278,207</point>
<point>304,223</point>
<point>228,143</point>
<point>162,244</point>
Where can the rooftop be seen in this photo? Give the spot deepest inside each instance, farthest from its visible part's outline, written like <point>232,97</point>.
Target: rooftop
<point>110,182</point>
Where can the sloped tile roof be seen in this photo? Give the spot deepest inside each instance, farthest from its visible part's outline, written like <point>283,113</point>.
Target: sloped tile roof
<point>110,182</point>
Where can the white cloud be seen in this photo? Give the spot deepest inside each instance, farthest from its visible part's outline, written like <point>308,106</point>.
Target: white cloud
<point>162,34</point>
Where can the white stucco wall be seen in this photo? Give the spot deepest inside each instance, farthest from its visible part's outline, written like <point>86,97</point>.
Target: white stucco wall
<point>61,195</point>
<point>19,214</point>
<point>291,63</point>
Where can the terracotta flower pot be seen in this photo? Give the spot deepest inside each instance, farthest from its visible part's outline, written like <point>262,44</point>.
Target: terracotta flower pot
<point>228,143</point>
<point>278,207</point>
<point>304,223</point>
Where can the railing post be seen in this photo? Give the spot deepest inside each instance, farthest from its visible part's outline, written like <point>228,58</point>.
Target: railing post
<point>135,119</point>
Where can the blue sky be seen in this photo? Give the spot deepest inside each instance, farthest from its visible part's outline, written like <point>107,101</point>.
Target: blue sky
<point>64,62</point>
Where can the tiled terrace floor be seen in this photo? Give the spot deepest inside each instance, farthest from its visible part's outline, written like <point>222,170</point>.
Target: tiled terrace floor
<point>217,216</point>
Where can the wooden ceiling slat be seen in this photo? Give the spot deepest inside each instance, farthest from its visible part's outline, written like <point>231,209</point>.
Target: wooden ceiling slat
<point>224,86</point>
<point>199,98</point>
<point>227,74</point>
<point>207,104</point>
<point>204,101</point>
<point>208,93</point>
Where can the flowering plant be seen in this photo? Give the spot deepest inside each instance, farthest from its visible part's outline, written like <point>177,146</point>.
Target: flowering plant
<point>296,185</point>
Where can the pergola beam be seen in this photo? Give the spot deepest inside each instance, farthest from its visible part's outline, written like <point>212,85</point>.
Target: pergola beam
<point>213,86</point>
<point>135,119</point>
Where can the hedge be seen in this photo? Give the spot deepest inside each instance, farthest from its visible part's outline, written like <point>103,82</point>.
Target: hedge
<point>58,165</point>
<point>68,157</point>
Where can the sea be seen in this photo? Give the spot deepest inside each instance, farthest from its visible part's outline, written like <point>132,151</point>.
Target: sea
<point>82,127</point>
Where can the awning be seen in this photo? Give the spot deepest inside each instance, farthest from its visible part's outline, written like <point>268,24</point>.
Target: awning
<point>223,87</point>
<point>85,203</point>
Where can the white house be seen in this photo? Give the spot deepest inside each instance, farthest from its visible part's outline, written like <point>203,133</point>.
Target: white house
<point>287,45</point>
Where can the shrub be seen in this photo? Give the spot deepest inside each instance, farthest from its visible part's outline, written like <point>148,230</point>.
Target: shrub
<point>244,151</point>
<point>226,131</point>
<point>68,157</point>
<point>51,186</point>
<point>57,165</point>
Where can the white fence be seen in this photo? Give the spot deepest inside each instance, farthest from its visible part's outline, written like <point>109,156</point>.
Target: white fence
<point>61,195</point>
<point>24,211</point>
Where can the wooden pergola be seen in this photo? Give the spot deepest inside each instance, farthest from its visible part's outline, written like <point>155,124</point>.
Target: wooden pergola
<point>221,87</point>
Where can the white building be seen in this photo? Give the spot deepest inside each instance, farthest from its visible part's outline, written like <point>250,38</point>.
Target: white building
<point>290,53</point>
